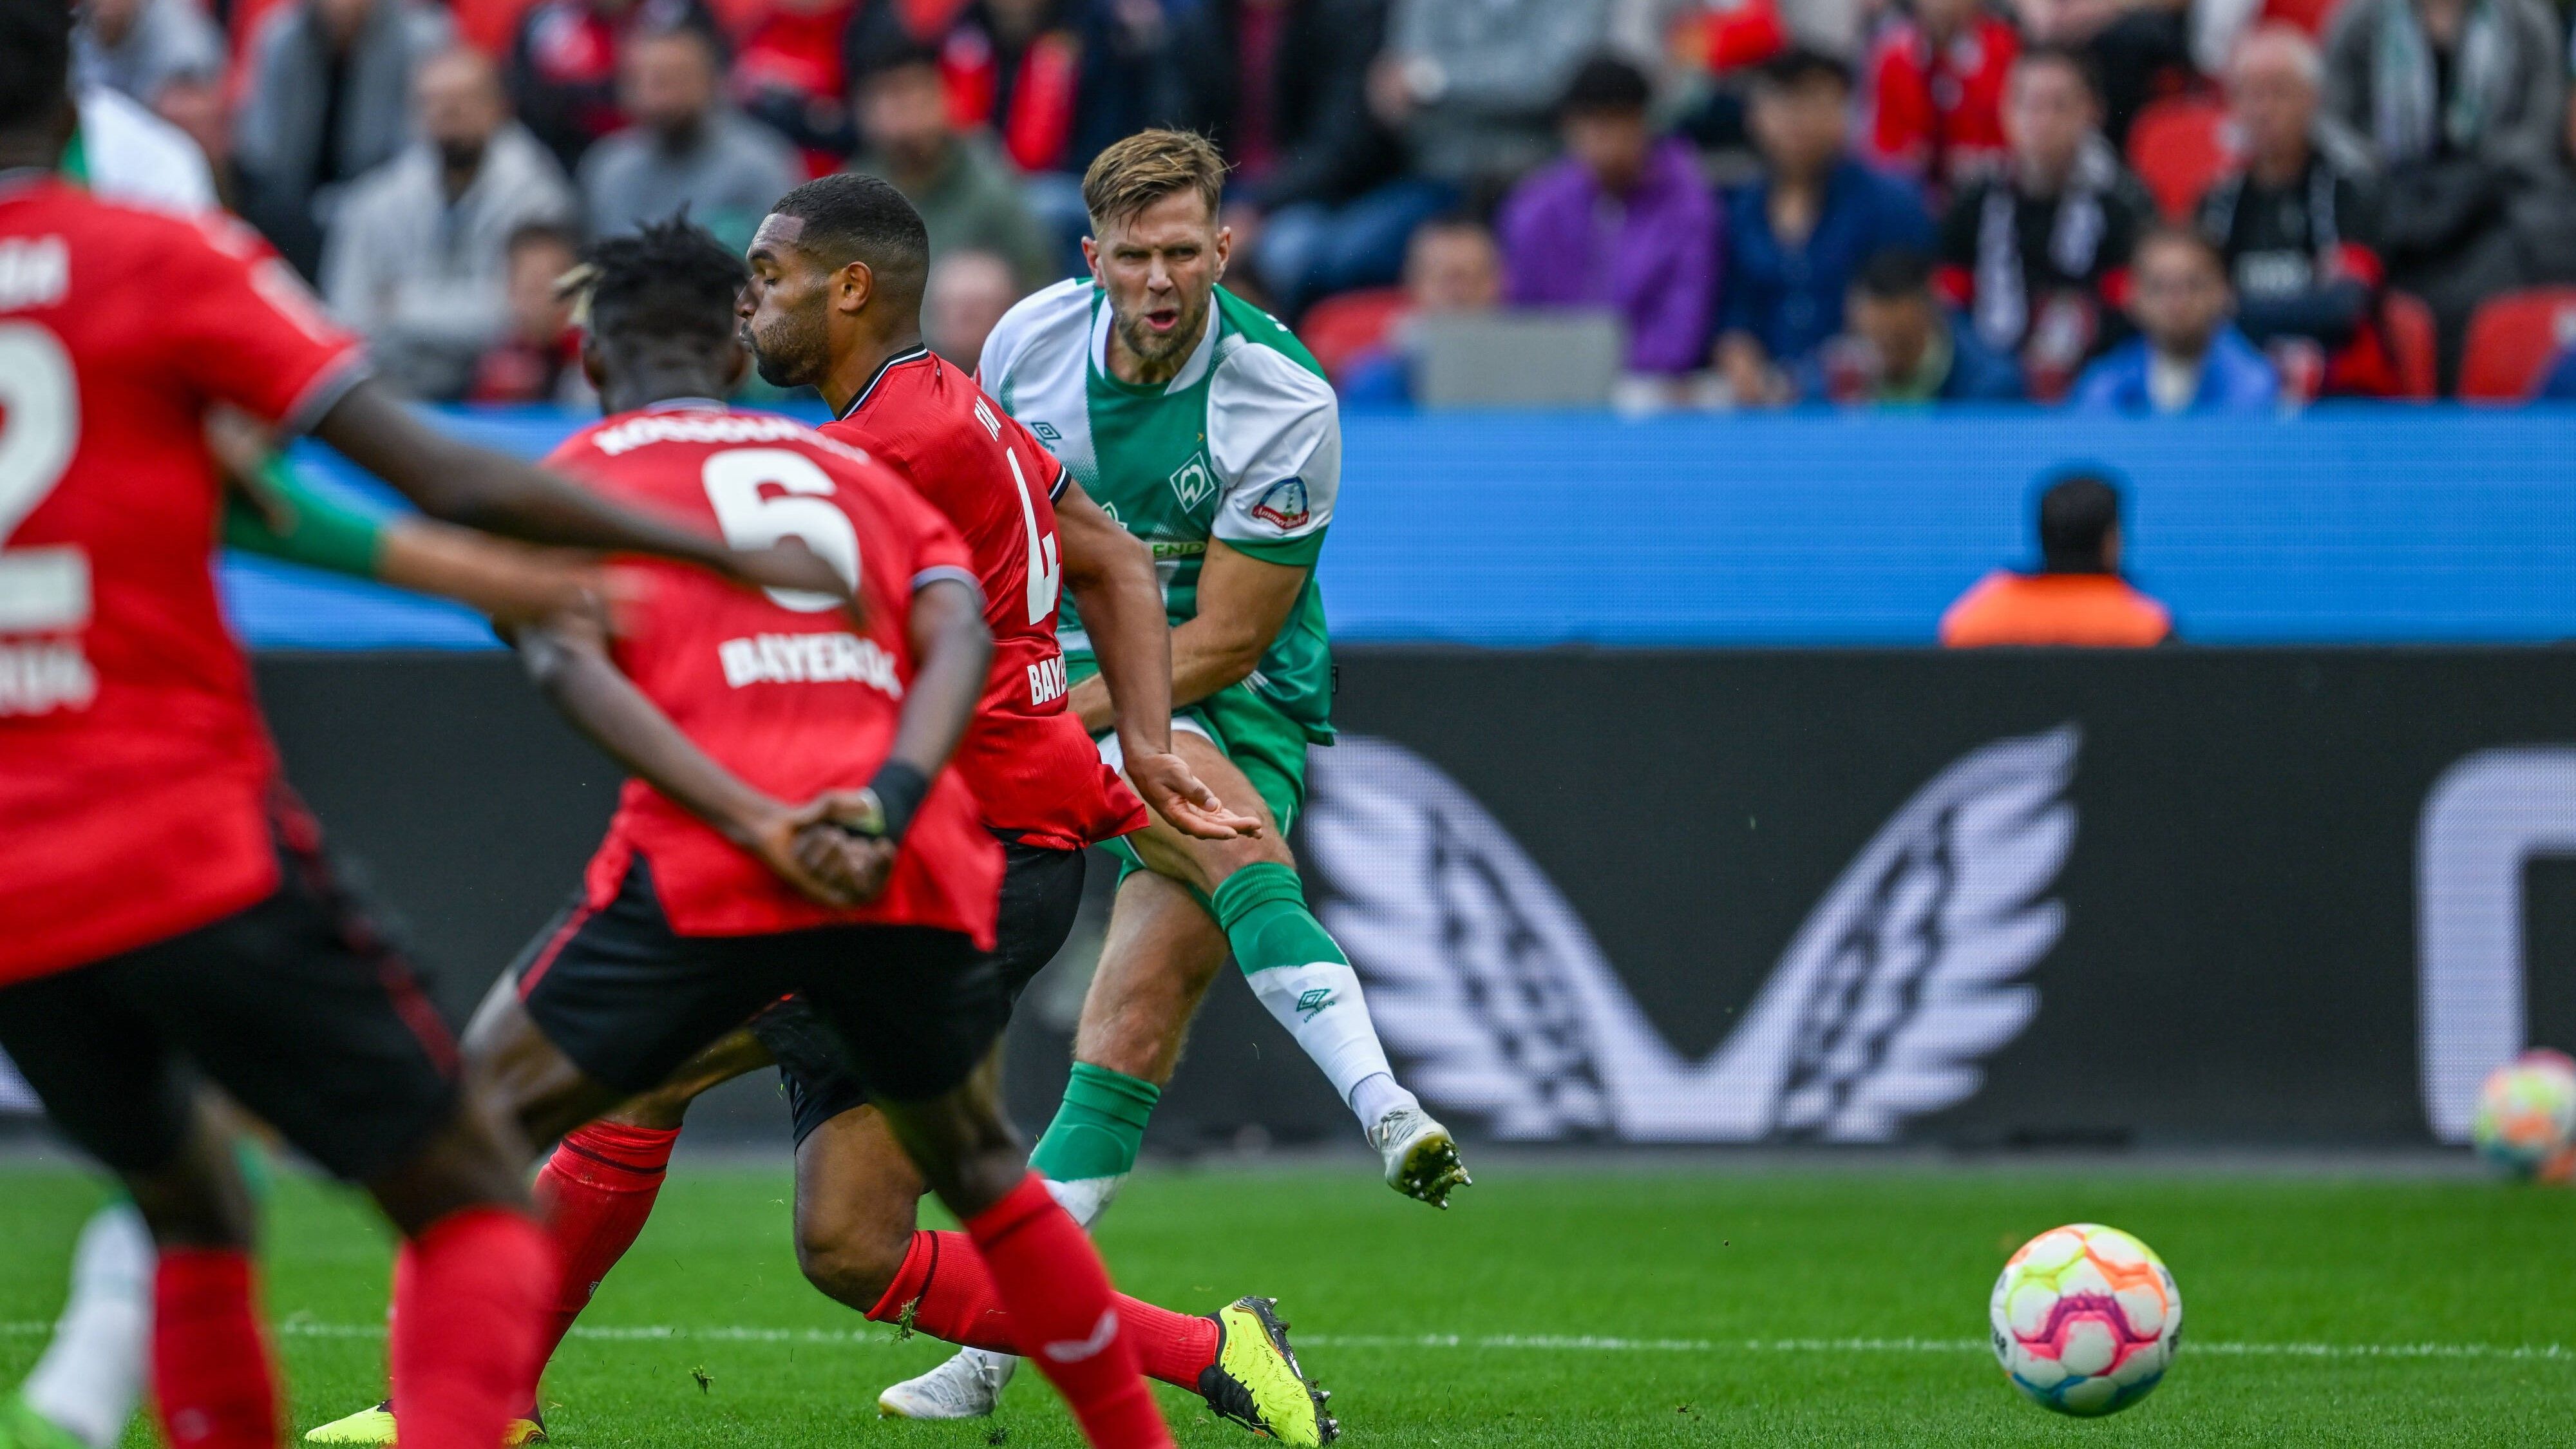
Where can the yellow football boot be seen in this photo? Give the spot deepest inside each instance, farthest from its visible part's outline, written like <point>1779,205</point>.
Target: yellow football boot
<point>1256,1382</point>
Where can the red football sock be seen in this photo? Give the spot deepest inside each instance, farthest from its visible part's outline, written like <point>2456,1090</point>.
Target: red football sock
<point>470,1297</point>
<point>952,1298</point>
<point>1057,1293</point>
<point>595,1193</point>
<point>212,1381</point>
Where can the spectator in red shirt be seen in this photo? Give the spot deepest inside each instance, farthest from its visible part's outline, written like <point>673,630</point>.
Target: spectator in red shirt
<point>2076,596</point>
<point>1936,93</point>
<point>791,71</point>
<point>564,64</point>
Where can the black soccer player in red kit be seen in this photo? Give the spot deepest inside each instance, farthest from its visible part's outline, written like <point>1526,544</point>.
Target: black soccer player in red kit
<point>707,901</point>
<point>1042,792</point>
<point>164,910</point>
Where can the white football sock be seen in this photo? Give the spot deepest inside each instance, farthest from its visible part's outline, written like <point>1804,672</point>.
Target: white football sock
<point>1322,1007</point>
<point>1378,1095</point>
<point>92,1373</point>
<point>1085,1198</point>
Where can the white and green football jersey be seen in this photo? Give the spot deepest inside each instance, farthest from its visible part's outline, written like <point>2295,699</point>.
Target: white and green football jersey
<point>1244,445</point>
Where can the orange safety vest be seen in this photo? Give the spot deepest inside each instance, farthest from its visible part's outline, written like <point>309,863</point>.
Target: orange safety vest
<point>2088,610</point>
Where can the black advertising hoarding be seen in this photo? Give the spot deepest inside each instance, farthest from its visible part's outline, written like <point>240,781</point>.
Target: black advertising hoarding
<point>2174,896</point>
<point>2168,896</point>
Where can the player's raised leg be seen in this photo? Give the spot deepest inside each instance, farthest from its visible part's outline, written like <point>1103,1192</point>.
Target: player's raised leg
<point>1296,968</point>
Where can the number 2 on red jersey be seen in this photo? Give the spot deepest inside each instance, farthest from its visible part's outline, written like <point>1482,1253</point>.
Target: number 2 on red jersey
<point>47,588</point>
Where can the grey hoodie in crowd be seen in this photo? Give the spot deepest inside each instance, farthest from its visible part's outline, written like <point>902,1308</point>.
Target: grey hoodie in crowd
<point>2507,108</point>
<point>277,138</point>
<point>427,283</point>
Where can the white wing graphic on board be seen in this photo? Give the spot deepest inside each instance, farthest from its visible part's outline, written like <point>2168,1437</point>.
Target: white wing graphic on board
<point>1902,980</point>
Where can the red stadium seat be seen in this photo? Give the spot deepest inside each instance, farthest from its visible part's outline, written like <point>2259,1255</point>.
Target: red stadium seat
<point>2180,145</point>
<point>1338,329</point>
<point>2511,340</point>
<point>2408,325</point>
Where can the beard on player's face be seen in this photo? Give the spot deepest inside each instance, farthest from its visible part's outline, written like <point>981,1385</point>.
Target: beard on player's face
<point>1156,348</point>
<point>791,350</point>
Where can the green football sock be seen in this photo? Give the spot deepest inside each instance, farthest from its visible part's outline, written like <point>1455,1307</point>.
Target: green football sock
<point>1099,1128</point>
<point>1299,973</point>
<point>1262,910</point>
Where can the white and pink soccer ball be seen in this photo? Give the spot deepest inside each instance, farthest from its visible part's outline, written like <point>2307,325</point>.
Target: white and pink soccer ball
<point>2526,1122</point>
<point>2086,1319</point>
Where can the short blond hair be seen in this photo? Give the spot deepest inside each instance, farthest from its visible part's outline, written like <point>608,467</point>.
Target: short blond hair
<point>1143,169</point>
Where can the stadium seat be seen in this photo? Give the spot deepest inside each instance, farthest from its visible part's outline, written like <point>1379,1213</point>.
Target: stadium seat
<point>1338,329</point>
<point>2512,338</point>
<point>2180,145</point>
<point>2407,323</point>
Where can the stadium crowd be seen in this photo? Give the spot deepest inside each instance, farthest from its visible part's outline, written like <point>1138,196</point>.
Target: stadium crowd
<point>2132,205</point>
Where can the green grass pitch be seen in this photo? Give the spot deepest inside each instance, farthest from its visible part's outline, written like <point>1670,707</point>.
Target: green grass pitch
<point>1554,1306</point>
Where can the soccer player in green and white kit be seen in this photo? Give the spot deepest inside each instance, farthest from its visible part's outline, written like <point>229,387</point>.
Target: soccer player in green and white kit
<point>1209,432</point>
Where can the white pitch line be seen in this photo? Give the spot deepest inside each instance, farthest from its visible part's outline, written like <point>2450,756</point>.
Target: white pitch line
<point>1547,1343</point>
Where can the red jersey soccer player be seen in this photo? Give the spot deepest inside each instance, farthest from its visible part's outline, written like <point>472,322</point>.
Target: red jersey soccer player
<point>728,704</point>
<point>161,907</point>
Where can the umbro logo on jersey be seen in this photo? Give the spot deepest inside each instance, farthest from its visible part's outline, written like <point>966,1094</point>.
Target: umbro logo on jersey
<point>1193,483</point>
<point>1046,433</point>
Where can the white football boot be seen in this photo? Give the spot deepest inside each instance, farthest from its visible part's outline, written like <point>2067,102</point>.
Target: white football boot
<point>966,1386</point>
<point>1421,1156</point>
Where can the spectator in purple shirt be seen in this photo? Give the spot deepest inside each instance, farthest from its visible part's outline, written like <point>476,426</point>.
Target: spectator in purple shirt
<point>1625,221</point>
<point>1797,235</point>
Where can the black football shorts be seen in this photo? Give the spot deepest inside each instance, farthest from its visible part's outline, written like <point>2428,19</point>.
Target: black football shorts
<point>1041,895</point>
<point>296,1006</point>
<point>628,999</point>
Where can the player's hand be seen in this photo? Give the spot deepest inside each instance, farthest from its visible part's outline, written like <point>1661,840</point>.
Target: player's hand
<point>858,864</point>
<point>803,848</point>
<point>1176,794</point>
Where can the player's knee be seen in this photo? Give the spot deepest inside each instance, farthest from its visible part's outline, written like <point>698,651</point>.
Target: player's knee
<point>1224,857</point>
<point>850,1266</point>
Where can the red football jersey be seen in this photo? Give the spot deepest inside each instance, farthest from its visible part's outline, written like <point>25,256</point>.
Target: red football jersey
<point>1036,773</point>
<point>135,772</point>
<point>782,689</point>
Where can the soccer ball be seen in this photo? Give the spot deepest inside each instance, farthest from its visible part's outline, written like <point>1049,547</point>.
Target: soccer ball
<point>2086,1319</point>
<point>2527,1116</point>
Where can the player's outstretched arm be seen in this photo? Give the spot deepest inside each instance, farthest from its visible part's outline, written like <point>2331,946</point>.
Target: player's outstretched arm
<point>567,656</point>
<point>1243,603</point>
<point>496,493</point>
<point>273,510</point>
<point>1111,578</point>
